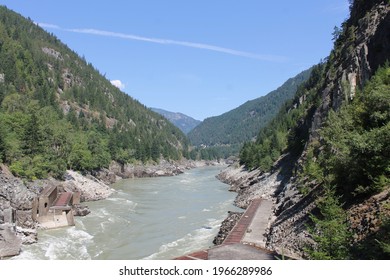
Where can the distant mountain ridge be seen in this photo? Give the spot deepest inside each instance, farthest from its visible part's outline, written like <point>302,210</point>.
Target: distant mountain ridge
<point>242,124</point>
<point>182,121</point>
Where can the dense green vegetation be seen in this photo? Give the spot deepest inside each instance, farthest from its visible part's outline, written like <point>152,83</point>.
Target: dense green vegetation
<point>214,152</point>
<point>354,156</point>
<point>58,112</point>
<point>354,153</point>
<point>224,135</point>
<point>330,230</point>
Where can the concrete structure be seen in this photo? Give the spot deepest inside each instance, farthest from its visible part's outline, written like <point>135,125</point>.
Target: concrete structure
<point>246,239</point>
<point>53,209</point>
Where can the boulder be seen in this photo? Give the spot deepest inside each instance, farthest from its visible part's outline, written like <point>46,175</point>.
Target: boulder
<point>80,210</point>
<point>10,243</point>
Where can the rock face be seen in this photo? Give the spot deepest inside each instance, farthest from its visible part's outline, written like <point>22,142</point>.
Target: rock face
<point>14,194</point>
<point>15,214</point>
<point>90,188</point>
<point>359,57</point>
<point>10,243</point>
<point>164,168</point>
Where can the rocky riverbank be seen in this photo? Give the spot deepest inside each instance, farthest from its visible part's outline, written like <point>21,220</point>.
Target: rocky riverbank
<point>117,171</point>
<point>226,227</point>
<point>254,184</point>
<point>287,233</point>
<point>248,185</point>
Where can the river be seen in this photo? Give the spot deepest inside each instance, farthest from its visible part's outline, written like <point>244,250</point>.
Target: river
<point>146,218</point>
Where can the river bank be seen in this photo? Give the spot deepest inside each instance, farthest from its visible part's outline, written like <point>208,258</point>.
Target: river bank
<point>16,195</point>
<point>286,233</point>
<point>117,171</point>
<point>249,185</point>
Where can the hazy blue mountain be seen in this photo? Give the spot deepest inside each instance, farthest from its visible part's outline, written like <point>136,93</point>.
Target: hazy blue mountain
<point>184,122</point>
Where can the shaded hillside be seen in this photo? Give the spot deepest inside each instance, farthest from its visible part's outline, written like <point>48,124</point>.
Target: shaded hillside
<point>58,112</point>
<point>243,123</point>
<point>184,122</point>
<point>329,147</point>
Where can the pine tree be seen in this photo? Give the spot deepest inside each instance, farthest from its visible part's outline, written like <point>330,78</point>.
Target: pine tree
<point>33,137</point>
<point>330,231</point>
<point>2,146</point>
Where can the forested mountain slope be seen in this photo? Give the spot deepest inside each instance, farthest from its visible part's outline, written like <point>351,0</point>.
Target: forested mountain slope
<point>242,124</point>
<point>330,148</point>
<point>58,112</point>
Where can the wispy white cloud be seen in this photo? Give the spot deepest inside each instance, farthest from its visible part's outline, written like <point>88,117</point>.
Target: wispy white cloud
<point>48,25</point>
<point>118,84</point>
<point>264,57</point>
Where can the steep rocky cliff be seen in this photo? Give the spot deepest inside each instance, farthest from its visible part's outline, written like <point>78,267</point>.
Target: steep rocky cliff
<point>362,46</point>
<point>15,214</point>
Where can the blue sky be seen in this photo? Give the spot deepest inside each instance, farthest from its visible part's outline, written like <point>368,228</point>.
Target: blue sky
<point>199,57</point>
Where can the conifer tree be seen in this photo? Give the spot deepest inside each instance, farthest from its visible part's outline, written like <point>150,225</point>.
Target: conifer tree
<point>2,146</point>
<point>330,231</point>
<point>32,138</point>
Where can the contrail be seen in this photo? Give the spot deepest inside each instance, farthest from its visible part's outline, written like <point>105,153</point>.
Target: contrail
<point>271,58</point>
